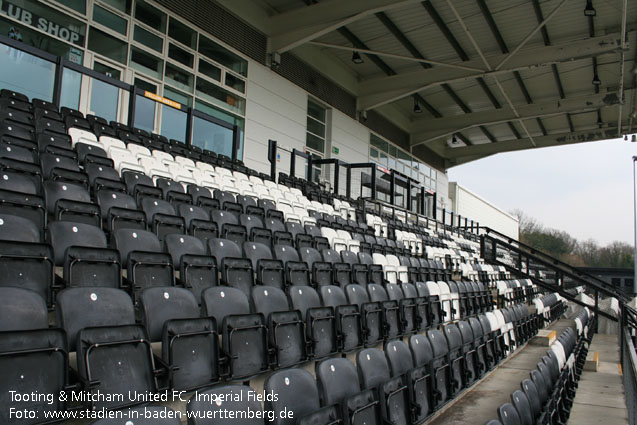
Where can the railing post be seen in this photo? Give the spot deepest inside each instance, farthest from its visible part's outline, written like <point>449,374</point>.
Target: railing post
<point>57,84</point>
<point>272,158</point>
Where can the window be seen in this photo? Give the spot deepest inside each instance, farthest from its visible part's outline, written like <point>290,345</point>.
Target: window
<point>223,56</point>
<point>209,70</point>
<point>151,16</point>
<point>148,39</point>
<point>179,78</point>
<point>145,62</point>
<point>219,96</point>
<point>180,55</point>
<point>110,20</point>
<point>315,136</point>
<point>77,5</point>
<point>107,45</point>
<point>121,5</point>
<point>182,34</point>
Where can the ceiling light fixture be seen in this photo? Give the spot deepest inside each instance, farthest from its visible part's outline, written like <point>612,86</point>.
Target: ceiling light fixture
<point>596,81</point>
<point>356,58</point>
<point>417,108</point>
<point>589,10</point>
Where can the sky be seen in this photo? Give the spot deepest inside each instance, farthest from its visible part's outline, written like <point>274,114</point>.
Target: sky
<point>585,189</point>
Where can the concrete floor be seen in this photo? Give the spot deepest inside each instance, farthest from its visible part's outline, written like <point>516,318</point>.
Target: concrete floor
<point>600,395</point>
<point>480,403</point>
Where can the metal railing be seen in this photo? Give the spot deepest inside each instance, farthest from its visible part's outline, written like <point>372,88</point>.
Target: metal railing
<point>629,373</point>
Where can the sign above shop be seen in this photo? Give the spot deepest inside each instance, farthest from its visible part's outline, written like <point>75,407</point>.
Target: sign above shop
<point>43,24</point>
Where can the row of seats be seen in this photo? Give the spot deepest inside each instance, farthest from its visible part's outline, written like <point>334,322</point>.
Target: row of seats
<point>547,397</point>
<point>550,307</point>
<point>404,383</point>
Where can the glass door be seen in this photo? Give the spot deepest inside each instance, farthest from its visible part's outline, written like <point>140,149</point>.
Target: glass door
<point>145,108</point>
<point>104,99</point>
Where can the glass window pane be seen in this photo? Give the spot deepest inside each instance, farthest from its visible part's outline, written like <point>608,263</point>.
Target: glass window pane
<point>106,45</point>
<point>373,153</point>
<point>177,96</point>
<point>151,16</point>
<point>145,113</point>
<point>236,83</point>
<point>27,74</point>
<point>219,96</point>
<point>104,100</point>
<point>71,84</point>
<point>180,55</point>
<point>316,111</point>
<point>227,117</point>
<point>182,33</point>
<point>209,70</point>
<point>110,20</point>
<point>315,127</point>
<point>208,135</point>
<point>146,63</point>
<point>378,142</point>
<point>148,39</point>
<point>145,85</point>
<point>50,21</point>
<point>121,5</point>
<point>107,70</point>
<point>223,56</point>
<point>315,143</point>
<point>78,5</point>
<point>173,123</point>
<point>179,78</point>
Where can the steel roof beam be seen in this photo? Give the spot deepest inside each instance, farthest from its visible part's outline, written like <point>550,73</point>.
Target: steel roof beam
<point>461,155</point>
<point>376,92</point>
<point>298,26</point>
<point>429,130</point>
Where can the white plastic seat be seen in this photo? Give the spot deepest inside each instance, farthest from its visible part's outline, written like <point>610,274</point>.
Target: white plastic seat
<point>224,172</point>
<point>108,141</point>
<point>161,155</point>
<point>184,161</point>
<point>78,134</point>
<point>257,181</point>
<point>204,166</point>
<point>337,244</point>
<point>449,305</point>
<point>138,149</point>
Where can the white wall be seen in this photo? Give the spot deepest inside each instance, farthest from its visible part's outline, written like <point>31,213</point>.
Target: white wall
<point>275,109</point>
<point>472,206</point>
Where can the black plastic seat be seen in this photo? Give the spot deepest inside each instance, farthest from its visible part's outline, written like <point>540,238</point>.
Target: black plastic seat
<point>22,310</point>
<point>236,271</point>
<point>119,211</point>
<point>285,328</point>
<point>440,368</point>
<point>28,266</point>
<point>393,395</point>
<point>269,271</point>
<point>338,383</point>
<point>80,308</point>
<point>296,393</point>
<point>221,301</point>
<point>347,317</point>
<point>179,245</point>
<point>106,354</point>
<point>140,252</point>
<point>320,322</point>
<point>162,217</point>
<point>34,361</point>
<point>189,343</point>
<point>421,376</point>
<point>509,415</point>
<point>71,202</point>
<point>391,311</point>
<point>19,229</point>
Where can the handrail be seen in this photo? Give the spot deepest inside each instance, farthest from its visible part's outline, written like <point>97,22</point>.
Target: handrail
<point>573,271</point>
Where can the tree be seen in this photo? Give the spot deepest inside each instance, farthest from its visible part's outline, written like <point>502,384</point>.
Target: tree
<point>561,245</point>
